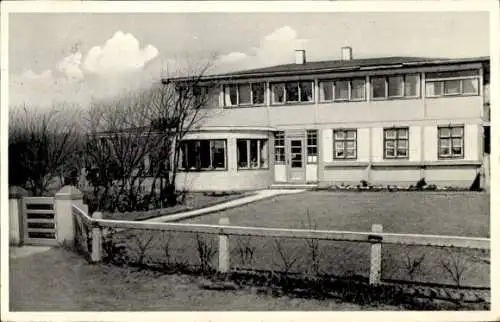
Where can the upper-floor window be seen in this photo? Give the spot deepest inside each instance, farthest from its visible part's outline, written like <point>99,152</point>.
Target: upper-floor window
<point>342,90</point>
<point>292,92</point>
<point>453,83</point>
<point>244,94</point>
<point>451,142</point>
<point>396,144</point>
<point>395,86</point>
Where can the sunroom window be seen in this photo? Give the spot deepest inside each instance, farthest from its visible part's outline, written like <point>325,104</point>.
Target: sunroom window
<point>198,155</point>
<point>452,83</point>
<point>342,90</point>
<point>252,153</point>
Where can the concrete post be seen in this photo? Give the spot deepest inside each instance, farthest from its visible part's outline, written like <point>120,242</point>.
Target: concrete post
<point>376,255</point>
<point>223,248</point>
<point>64,199</point>
<point>96,240</point>
<point>16,215</point>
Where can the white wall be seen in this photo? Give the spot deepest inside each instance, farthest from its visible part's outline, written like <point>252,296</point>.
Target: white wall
<point>363,144</point>
<point>327,145</point>
<point>415,143</point>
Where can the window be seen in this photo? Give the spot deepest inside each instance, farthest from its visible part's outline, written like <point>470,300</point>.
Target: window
<point>345,144</point>
<point>451,142</point>
<point>292,92</point>
<point>244,94</point>
<point>252,153</point>
<point>378,87</point>
<point>395,86</point>
<point>342,90</point>
<point>203,155</point>
<point>452,83</point>
<point>396,143</point>
<point>312,146</point>
<point>279,147</point>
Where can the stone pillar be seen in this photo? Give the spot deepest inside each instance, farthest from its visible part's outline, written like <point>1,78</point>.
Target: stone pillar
<point>224,263</point>
<point>16,215</point>
<point>376,255</point>
<point>64,199</point>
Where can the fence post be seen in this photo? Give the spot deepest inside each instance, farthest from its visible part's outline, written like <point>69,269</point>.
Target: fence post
<point>96,240</point>
<point>16,216</point>
<point>376,256</point>
<point>64,199</point>
<point>223,248</point>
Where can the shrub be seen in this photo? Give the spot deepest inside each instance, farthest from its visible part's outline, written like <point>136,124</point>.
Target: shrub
<point>421,184</point>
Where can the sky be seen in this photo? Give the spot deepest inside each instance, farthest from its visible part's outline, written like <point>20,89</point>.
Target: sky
<point>77,57</point>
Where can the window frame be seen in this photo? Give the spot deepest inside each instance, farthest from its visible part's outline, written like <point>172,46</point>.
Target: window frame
<point>332,83</point>
<point>299,92</point>
<point>345,140</point>
<point>198,160</point>
<point>251,92</point>
<point>259,145</point>
<point>451,156</point>
<point>278,136</point>
<point>313,135</point>
<point>396,141</point>
<point>459,78</point>
<point>403,83</point>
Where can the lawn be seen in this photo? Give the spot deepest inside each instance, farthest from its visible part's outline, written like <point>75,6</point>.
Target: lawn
<point>59,280</point>
<point>440,213</point>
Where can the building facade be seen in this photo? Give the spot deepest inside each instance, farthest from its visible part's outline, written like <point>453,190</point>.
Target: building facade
<point>389,120</point>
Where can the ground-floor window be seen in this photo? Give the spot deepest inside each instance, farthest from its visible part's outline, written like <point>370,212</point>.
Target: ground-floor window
<point>203,155</point>
<point>312,146</point>
<point>252,153</point>
<point>279,147</point>
<point>451,142</point>
<point>345,144</point>
<point>396,144</point>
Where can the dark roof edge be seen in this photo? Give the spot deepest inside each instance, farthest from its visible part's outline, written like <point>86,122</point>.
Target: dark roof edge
<point>240,75</point>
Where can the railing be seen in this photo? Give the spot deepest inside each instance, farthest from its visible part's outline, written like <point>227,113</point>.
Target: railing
<point>461,261</point>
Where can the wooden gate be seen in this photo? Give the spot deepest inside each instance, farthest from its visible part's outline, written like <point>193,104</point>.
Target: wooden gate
<point>39,221</point>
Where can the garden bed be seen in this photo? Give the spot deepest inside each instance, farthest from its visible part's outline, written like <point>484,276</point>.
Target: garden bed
<point>193,201</point>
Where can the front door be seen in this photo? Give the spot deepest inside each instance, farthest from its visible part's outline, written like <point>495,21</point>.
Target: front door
<point>295,160</point>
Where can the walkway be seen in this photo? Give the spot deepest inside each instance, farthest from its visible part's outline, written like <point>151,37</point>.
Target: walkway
<point>259,195</point>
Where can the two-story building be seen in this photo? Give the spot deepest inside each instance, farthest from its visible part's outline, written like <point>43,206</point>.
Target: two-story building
<point>387,120</point>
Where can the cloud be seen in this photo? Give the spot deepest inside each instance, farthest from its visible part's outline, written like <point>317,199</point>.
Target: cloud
<point>277,47</point>
<point>121,53</point>
<point>31,75</point>
<point>232,57</point>
<point>70,66</point>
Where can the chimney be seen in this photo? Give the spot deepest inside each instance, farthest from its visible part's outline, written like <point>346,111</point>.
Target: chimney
<point>300,56</point>
<point>346,53</point>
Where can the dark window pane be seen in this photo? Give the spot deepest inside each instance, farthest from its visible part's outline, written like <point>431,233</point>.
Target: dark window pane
<point>292,92</point>
<point>378,87</point>
<point>306,91</point>
<point>218,154</point>
<point>452,87</point>
<point>411,85</point>
<point>232,95</point>
<point>434,89</point>
<point>253,154</point>
<point>242,153</point>
<point>342,90</point>
<point>395,84</point>
<point>470,86</point>
<point>258,91</point>
<point>278,93</point>
<point>326,91</point>
<point>204,153</point>
<point>358,89</point>
<point>244,93</point>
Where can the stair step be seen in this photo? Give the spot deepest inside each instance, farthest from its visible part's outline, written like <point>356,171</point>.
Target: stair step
<point>294,185</point>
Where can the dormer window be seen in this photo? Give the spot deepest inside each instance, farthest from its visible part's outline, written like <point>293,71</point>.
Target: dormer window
<point>244,94</point>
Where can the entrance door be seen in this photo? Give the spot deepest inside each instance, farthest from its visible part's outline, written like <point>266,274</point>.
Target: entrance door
<point>295,157</point>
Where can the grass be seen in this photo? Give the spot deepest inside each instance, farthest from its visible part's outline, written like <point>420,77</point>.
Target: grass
<point>441,213</point>
<point>464,214</point>
<point>59,280</point>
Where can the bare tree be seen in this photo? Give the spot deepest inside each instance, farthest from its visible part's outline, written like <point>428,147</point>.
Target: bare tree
<point>140,136</point>
<point>43,145</point>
